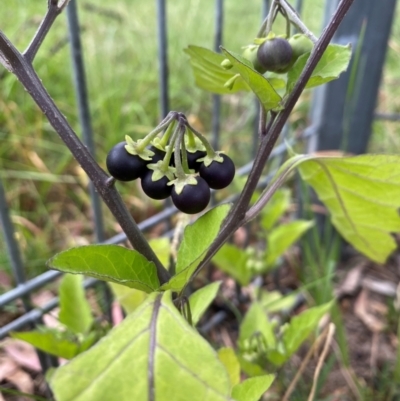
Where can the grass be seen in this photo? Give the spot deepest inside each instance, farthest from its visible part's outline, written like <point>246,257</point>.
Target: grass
<point>45,187</point>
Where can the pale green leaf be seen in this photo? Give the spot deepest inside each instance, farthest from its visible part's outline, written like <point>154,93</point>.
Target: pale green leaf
<point>334,61</point>
<point>196,240</point>
<point>75,310</point>
<point>201,299</point>
<point>301,326</point>
<point>198,236</point>
<point>282,237</point>
<point>253,388</point>
<point>162,248</point>
<point>234,261</point>
<point>251,369</point>
<point>50,342</point>
<point>228,357</point>
<point>277,356</point>
<point>208,73</point>
<point>256,323</point>
<point>109,263</point>
<point>260,85</point>
<point>362,194</point>
<point>129,298</point>
<point>275,208</point>
<point>274,301</point>
<point>153,354</point>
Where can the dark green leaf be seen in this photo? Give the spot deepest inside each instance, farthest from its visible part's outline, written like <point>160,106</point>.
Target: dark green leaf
<point>109,263</point>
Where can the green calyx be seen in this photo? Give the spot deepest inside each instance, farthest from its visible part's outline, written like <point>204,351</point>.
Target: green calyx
<point>207,160</point>
<point>158,143</point>
<point>180,183</point>
<point>136,148</point>
<point>193,143</point>
<point>159,171</point>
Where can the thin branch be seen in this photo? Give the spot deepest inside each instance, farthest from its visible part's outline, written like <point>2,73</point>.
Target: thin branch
<point>294,17</point>
<point>27,76</point>
<point>236,216</point>
<point>313,349</point>
<point>317,372</point>
<point>52,13</point>
<point>271,17</point>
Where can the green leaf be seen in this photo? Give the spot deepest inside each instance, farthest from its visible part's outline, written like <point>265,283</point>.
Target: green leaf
<point>253,388</point>
<point>334,61</point>
<point>154,354</point>
<point>362,194</point>
<point>261,87</point>
<point>234,261</point>
<point>75,310</point>
<point>256,322</point>
<point>301,326</point>
<point>51,342</point>
<point>284,236</point>
<point>275,208</point>
<point>274,301</point>
<point>201,300</point>
<point>162,248</point>
<point>250,368</point>
<point>129,298</point>
<point>110,263</point>
<point>198,236</point>
<point>228,357</point>
<point>196,240</point>
<point>208,73</point>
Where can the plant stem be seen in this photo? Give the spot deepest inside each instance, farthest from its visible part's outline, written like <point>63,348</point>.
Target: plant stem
<point>22,68</point>
<point>180,172</point>
<point>52,13</point>
<point>271,17</point>
<point>237,215</point>
<point>293,16</point>
<point>207,145</point>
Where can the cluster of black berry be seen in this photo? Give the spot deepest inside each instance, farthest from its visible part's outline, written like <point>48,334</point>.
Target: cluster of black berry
<point>173,160</point>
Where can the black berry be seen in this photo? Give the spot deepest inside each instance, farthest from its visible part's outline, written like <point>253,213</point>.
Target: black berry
<point>275,54</point>
<point>218,175</point>
<point>155,189</point>
<point>122,165</point>
<point>158,154</point>
<point>192,159</point>
<point>193,198</point>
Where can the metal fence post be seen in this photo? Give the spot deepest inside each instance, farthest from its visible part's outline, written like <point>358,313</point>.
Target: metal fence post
<point>17,266</point>
<point>343,110</point>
